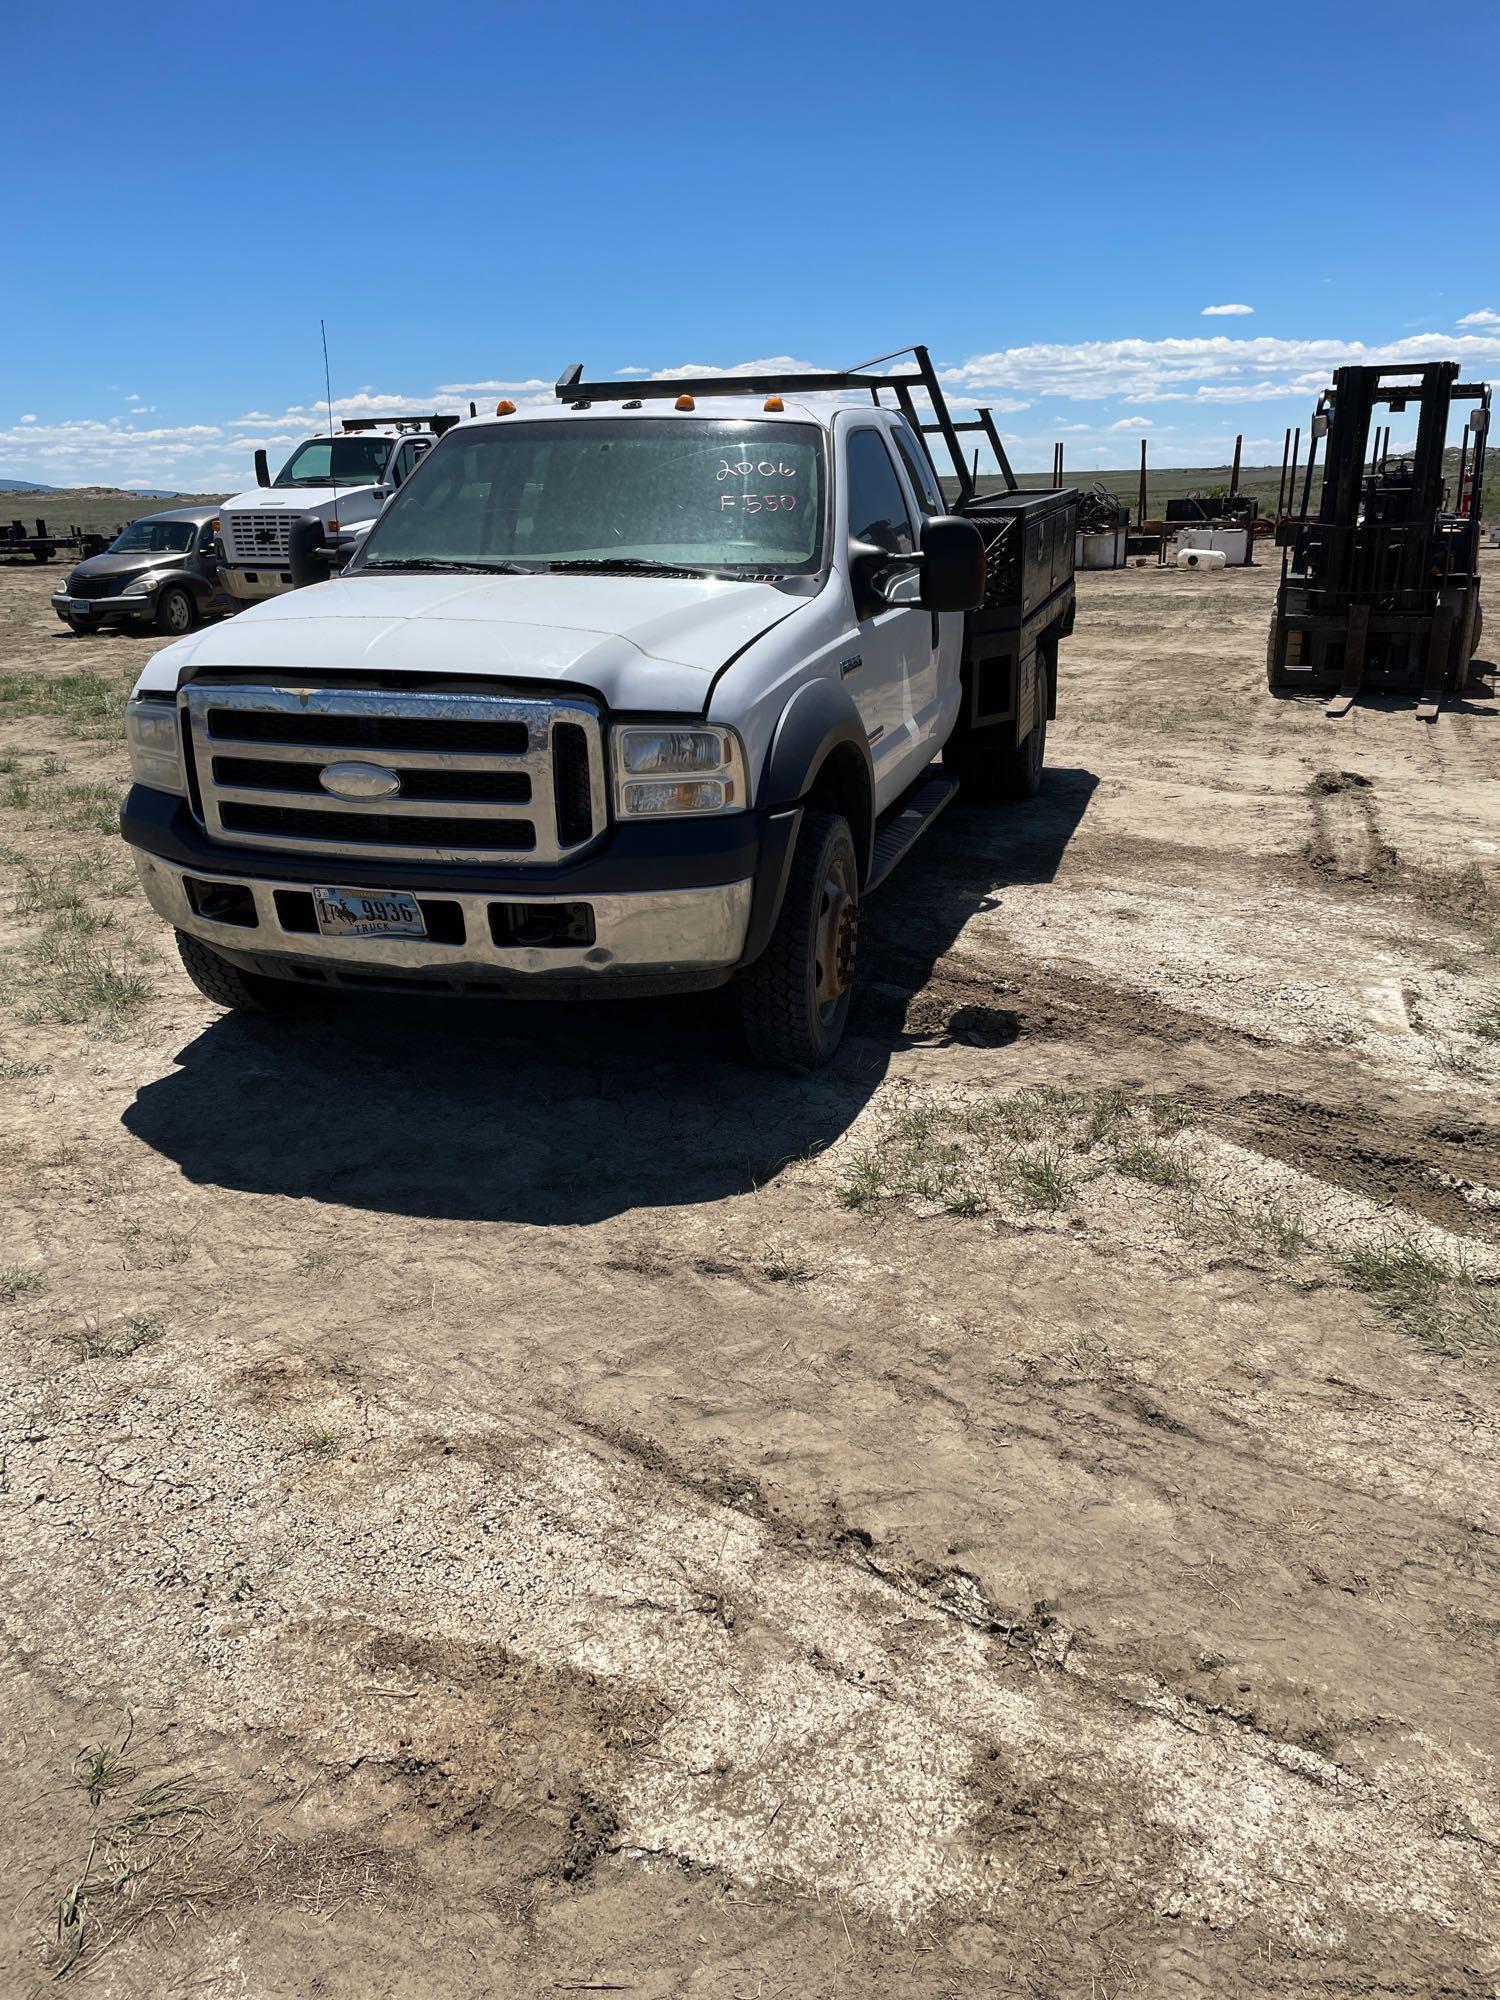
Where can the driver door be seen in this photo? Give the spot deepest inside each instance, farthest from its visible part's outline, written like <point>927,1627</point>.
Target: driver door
<point>890,648</point>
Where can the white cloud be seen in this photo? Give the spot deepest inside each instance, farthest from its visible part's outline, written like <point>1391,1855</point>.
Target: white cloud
<point>1206,368</point>
<point>86,451</point>
<point>1482,318</point>
<point>1226,312</point>
<point>1212,374</point>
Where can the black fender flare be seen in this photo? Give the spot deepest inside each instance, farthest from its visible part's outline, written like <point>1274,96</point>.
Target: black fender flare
<point>819,719</point>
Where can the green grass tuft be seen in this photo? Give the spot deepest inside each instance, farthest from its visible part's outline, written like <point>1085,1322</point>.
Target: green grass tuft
<point>1441,1302</point>
<point>1155,1164</point>
<point>782,1268</point>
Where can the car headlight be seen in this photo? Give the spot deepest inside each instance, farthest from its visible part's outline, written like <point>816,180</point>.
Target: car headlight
<point>65,588</point>
<point>664,770</point>
<point>141,586</point>
<point>155,746</point>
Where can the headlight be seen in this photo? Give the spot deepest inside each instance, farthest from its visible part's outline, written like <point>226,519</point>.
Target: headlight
<point>141,586</point>
<point>65,588</point>
<point>663,771</point>
<point>151,735</point>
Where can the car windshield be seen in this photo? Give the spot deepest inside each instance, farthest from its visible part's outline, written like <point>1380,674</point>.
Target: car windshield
<point>153,538</point>
<point>612,493</point>
<point>343,461</point>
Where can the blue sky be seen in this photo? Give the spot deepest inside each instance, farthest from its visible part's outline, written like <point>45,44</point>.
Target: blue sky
<point>1050,197</point>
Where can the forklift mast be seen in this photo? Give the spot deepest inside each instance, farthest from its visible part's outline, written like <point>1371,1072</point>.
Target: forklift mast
<point>1380,587</point>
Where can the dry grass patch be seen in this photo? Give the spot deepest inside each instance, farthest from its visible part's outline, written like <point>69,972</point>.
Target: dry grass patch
<point>1440,1300</point>
<point>87,704</point>
<point>139,1866</point>
<point>1030,1151</point>
<point>79,977</point>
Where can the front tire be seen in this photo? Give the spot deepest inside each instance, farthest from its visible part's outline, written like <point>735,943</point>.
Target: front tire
<point>796,996</point>
<point>176,612</point>
<point>217,980</point>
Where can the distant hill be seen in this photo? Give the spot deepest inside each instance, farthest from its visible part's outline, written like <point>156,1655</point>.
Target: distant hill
<point>39,486</point>
<point>95,509</point>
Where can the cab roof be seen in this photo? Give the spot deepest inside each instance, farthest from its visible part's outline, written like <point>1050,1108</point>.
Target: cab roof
<point>738,409</point>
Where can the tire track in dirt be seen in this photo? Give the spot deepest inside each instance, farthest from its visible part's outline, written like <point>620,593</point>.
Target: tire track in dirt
<point>1319,1117</point>
<point>821,1724</point>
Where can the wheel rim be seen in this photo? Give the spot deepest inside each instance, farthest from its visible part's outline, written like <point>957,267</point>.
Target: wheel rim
<point>177,612</point>
<point>836,938</point>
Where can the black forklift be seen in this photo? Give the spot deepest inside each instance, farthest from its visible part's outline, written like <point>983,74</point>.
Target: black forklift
<point>1379,589</point>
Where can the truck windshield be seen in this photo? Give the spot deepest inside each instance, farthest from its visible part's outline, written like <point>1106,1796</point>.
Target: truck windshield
<point>345,461</point>
<point>153,537</point>
<point>628,493</point>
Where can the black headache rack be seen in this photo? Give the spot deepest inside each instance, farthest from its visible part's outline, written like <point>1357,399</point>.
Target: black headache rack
<point>903,384</point>
<point>1380,587</point>
<point>436,424</point>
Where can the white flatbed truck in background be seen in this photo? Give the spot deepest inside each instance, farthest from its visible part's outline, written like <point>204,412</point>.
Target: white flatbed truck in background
<point>637,693</point>
<point>343,478</point>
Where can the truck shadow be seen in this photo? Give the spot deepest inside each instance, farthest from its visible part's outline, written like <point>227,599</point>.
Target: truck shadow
<point>521,1112</point>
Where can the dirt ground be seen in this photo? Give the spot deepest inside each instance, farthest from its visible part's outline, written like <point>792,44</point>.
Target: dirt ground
<point>503,1503</point>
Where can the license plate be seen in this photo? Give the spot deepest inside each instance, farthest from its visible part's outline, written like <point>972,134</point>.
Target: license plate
<point>366,913</point>
<point>79,605</point>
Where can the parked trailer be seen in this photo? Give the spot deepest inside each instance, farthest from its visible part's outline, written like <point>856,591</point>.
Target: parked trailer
<point>1380,588</point>
<point>47,542</point>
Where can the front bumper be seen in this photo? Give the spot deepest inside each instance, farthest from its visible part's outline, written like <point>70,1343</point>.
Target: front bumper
<point>674,906</point>
<point>249,586</point>
<point>102,610</point>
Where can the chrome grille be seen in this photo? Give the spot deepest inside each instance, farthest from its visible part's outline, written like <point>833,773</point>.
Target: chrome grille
<point>258,535</point>
<point>481,776</point>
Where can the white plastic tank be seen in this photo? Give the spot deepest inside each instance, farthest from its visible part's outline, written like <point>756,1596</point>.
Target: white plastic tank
<point>1235,542</point>
<point>1194,558</point>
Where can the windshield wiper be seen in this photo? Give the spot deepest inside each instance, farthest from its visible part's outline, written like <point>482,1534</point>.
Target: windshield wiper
<point>567,565</point>
<point>443,563</point>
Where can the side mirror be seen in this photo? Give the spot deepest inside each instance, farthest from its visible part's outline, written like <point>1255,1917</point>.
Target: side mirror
<point>866,562</point>
<point>307,554</point>
<point>262,469</point>
<point>383,491</point>
<point>953,564</point>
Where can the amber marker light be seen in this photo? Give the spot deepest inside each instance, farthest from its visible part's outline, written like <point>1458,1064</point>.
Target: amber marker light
<point>773,403</point>
<point>685,403</point>
<point>505,407</point>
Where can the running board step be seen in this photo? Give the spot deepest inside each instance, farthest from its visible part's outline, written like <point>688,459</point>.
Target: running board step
<point>904,829</point>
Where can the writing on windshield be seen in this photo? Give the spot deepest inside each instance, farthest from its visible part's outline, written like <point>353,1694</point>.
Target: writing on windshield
<point>647,492</point>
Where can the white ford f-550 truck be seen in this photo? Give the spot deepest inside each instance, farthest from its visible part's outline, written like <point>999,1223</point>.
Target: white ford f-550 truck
<point>635,694</point>
<point>343,479</point>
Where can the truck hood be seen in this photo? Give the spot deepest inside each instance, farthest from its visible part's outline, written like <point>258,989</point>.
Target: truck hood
<point>289,499</point>
<point>640,642</point>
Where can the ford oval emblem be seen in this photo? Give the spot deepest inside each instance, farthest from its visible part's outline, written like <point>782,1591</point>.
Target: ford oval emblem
<point>359,781</point>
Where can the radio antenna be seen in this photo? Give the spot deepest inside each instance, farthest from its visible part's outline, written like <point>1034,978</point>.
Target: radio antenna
<point>328,395</point>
